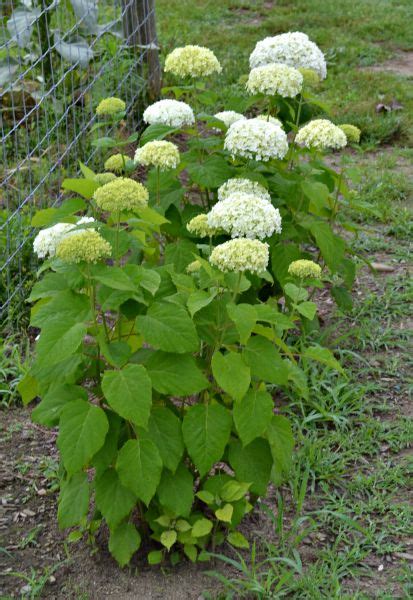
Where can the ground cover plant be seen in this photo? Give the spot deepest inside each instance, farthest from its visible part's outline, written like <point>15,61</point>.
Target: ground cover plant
<point>342,517</point>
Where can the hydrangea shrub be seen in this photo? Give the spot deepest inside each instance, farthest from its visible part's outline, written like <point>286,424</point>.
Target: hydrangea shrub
<point>175,308</point>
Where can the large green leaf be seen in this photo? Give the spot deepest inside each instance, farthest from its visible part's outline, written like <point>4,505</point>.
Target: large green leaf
<point>83,428</point>
<point>58,342</point>
<point>165,430</point>
<point>231,373</point>
<point>156,131</point>
<point>282,255</point>
<point>73,500</point>
<point>168,327</point>
<point>66,307</point>
<point>139,466</point>
<point>211,173</point>
<point>253,414</point>
<point>206,429</point>
<point>129,393</point>
<point>332,247</point>
<point>176,491</point>
<point>244,317</point>
<point>180,254</point>
<point>57,397</point>
<point>252,464</point>
<point>124,541</point>
<point>84,187</point>
<point>113,499</point>
<point>265,361</point>
<point>175,374</point>
<point>51,284</point>
<point>281,440</point>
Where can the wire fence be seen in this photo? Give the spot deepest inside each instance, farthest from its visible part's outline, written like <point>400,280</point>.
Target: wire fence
<point>58,58</point>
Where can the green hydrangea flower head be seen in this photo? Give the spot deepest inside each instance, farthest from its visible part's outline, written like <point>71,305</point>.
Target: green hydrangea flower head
<point>199,226</point>
<point>304,269</point>
<point>158,153</point>
<point>86,246</point>
<point>116,163</point>
<point>193,267</point>
<point>241,254</point>
<point>310,77</point>
<point>121,194</point>
<point>102,178</point>
<point>110,106</point>
<point>192,61</point>
<point>352,133</point>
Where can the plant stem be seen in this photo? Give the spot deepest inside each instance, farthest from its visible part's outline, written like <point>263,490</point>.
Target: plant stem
<point>158,187</point>
<point>236,291</point>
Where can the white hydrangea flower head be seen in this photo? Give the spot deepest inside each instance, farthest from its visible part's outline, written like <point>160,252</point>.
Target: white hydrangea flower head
<point>241,185</point>
<point>321,134</point>
<point>270,119</point>
<point>240,255</point>
<point>293,48</point>
<point>47,240</point>
<point>275,78</point>
<point>256,139</point>
<point>245,215</point>
<point>199,226</point>
<point>192,61</point>
<point>228,117</point>
<point>169,112</point>
<point>158,153</point>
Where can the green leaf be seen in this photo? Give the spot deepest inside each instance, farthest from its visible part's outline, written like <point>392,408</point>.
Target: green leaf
<point>332,247</point>
<point>201,527</point>
<point>139,466</point>
<point>168,327</point>
<point>244,317</point>
<point>164,428</point>
<point>86,171</point>
<point>253,414</point>
<point>322,355</point>
<point>51,216</point>
<point>51,284</point>
<point>236,539</point>
<point>225,513</point>
<point>65,306</point>
<point>59,342</point>
<point>281,440</point>
<point>73,500</point>
<point>107,454</point>
<point>234,490</point>
<point>156,132</point>
<point>57,397</point>
<point>231,373</point>
<point>318,195</point>
<point>129,393</point>
<point>180,254</point>
<point>270,314</point>
<point>265,361</point>
<point>155,557</point>
<point>252,464</point>
<point>307,309</point>
<point>282,255</point>
<point>176,491</point>
<point>191,552</point>
<point>168,539</point>
<point>83,428</point>
<point>124,541</point>
<point>212,173</point>
<point>84,187</point>
<point>115,278</point>
<point>114,500</point>
<point>28,389</point>
<point>206,429</point>
<point>198,299</point>
<point>206,497</point>
<point>295,293</point>
<point>175,374</point>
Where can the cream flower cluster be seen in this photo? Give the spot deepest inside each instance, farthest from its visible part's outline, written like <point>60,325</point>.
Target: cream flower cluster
<point>193,267</point>
<point>102,178</point>
<point>245,215</point>
<point>321,134</point>
<point>270,119</point>
<point>293,48</point>
<point>351,132</point>
<point>158,153</point>
<point>275,78</point>
<point>241,255</point>
<point>121,194</point>
<point>47,240</point>
<point>243,186</point>
<point>110,106</point>
<point>228,117</point>
<point>169,112</point>
<point>116,163</point>
<point>192,61</point>
<point>84,246</point>
<point>200,227</point>
<point>256,139</point>
<point>304,269</point>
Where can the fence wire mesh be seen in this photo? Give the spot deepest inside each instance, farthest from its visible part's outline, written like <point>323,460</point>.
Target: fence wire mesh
<point>58,58</point>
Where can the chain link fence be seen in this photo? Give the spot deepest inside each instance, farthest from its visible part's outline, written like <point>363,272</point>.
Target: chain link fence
<point>58,58</point>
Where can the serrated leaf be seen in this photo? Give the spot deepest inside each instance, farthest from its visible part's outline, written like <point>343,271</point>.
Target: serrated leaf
<point>73,500</point>
<point>57,397</point>
<point>252,464</point>
<point>234,490</point>
<point>253,414</point>
<point>155,557</point>
<point>175,491</point>
<point>124,541</point>
<point>231,373</point>
<point>206,497</point>
<point>324,356</point>
<point>59,342</point>
<point>168,327</point>
<point>206,429</point>
<point>175,374</point>
<point>211,173</point>
<point>281,440</point>
<point>168,538</point>
<point>201,527</point>
<point>191,552</point>
<point>244,317</point>
<point>265,361</point>
<point>129,392</point>
<point>164,429</point>
<point>225,513</point>
<point>199,299</point>
<point>84,187</point>
<point>114,500</point>
<point>139,466</point>
<point>307,309</point>
<point>156,132</point>
<point>237,540</point>
<point>83,428</point>
<point>28,389</point>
